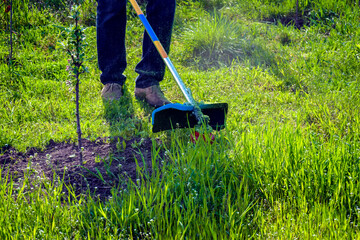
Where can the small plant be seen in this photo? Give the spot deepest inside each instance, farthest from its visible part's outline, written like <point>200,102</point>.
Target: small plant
<point>75,46</point>
<point>121,145</point>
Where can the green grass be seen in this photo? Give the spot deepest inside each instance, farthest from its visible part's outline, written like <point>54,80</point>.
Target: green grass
<point>36,209</point>
<point>287,165</point>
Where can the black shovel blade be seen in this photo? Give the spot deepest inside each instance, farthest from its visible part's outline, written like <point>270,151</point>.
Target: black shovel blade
<point>176,115</point>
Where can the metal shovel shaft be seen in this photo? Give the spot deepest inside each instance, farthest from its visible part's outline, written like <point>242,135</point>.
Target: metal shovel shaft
<point>186,92</point>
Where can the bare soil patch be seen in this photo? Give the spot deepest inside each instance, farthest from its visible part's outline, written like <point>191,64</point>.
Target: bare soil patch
<point>299,21</point>
<point>97,174</point>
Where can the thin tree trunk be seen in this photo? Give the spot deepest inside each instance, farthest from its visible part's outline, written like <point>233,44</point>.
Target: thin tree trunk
<point>11,42</point>
<point>77,98</point>
<point>78,120</point>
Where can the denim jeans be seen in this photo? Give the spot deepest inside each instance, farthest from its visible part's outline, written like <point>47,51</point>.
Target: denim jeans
<point>111,28</point>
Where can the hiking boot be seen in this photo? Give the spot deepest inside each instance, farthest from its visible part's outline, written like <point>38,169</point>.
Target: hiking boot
<point>152,95</point>
<point>111,91</point>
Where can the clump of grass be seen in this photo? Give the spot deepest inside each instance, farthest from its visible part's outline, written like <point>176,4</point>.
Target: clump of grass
<point>284,38</point>
<point>212,42</point>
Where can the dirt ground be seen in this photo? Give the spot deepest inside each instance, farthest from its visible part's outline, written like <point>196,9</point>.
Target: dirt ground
<point>61,158</point>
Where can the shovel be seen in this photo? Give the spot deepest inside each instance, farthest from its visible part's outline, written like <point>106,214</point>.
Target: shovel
<point>189,114</point>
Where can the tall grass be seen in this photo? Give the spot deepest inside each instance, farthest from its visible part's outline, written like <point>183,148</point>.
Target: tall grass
<point>285,11</point>
<point>199,196</point>
<point>241,186</point>
<point>37,208</point>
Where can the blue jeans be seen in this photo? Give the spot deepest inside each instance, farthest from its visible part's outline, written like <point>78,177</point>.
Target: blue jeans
<point>111,28</point>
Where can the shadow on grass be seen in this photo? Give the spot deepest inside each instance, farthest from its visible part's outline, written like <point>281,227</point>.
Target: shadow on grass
<point>117,112</point>
<point>122,117</point>
<point>258,56</point>
<point>249,53</point>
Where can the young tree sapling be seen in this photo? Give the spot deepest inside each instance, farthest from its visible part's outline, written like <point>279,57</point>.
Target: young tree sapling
<point>74,46</point>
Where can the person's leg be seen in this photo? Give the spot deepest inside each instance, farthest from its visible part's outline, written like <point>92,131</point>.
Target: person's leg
<point>151,68</point>
<point>110,27</point>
